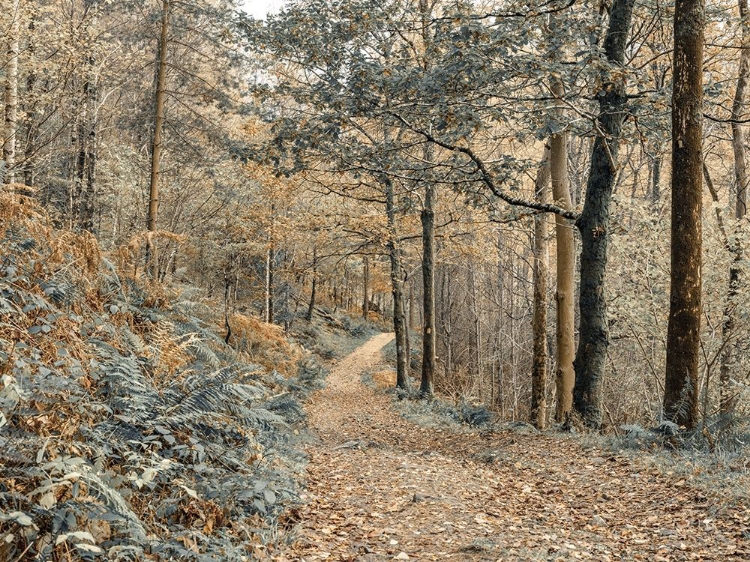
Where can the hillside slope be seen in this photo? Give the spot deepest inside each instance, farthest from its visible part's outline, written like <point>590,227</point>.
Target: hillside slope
<point>128,429</point>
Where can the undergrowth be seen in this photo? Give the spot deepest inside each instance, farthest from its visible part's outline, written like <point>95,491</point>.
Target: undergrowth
<point>714,456</point>
<point>433,412</point>
<point>332,334</point>
<point>129,429</point>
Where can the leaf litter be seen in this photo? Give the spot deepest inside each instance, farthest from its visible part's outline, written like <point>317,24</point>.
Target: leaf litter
<point>380,487</point>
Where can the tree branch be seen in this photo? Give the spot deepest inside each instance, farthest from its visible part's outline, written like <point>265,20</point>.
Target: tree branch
<point>488,177</point>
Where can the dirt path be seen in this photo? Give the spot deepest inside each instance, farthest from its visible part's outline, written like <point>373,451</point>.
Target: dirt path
<point>382,488</point>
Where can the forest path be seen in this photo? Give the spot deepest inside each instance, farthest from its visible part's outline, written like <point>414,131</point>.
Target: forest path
<point>383,488</point>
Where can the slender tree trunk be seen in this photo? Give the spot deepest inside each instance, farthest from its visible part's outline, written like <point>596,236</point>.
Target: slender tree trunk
<point>738,110</point>
<point>11,97</point>
<point>156,148</point>
<point>447,322</point>
<point>428,292</point>
<point>345,292</point>
<point>80,159</point>
<point>366,287</point>
<point>399,316</point>
<point>683,332</point>
<point>407,346</point>
<point>727,393</point>
<point>478,367</point>
<point>313,290</point>
<point>412,323</point>
<point>268,309</point>
<point>30,112</point>
<point>656,179</point>
<point>566,265</point>
<point>539,317</point>
<point>658,148</point>
<point>428,242</point>
<point>88,172</point>
<point>594,225</point>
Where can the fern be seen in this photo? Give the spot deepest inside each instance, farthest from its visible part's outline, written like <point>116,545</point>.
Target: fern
<point>204,354</point>
<point>131,341</point>
<point>216,425</point>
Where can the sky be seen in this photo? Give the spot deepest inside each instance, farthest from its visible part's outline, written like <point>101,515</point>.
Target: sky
<point>259,8</point>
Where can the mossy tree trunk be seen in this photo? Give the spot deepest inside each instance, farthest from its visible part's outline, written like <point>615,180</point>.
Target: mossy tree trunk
<point>683,332</point>
<point>593,224</point>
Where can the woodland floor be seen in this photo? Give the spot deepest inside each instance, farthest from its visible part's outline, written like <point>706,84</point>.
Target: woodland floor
<point>383,488</point>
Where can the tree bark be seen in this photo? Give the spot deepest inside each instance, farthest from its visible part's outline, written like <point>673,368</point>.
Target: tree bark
<point>428,296</point>
<point>738,107</point>
<point>593,225</point>
<point>447,306</point>
<point>268,308</point>
<point>656,179</point>
<point>727,393</point>
<point>11,97</point>
<point>407,336</point>
<point>683,332</point>
<point>428,241</point>
<point>399,316</point>
<point>656,165</point>
<point>314,288</point>
<point>88,183</point>
<point>30,112</point>
<point>539,317</point>
<point>366,287</point>
<point>156,148</point>
<point>566,265</point>
<point>80,160</point>
<point>412,323</point>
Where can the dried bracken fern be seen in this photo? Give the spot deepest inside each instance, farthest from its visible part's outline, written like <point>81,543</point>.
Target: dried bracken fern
<point>124,420</point>
<point>129,257</point>
<point>167,352</point>
<point>264,344</point>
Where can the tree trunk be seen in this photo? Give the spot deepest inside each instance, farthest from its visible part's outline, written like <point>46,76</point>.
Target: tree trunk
<point>88,186</point>
<point>412,323</point>
<point>447,304</point>
<point>727,393</point>
<point>80,160</point>
<point>478,367</point>
<point>658,148</point>
<point>314,288</point>
<point>683,332</point>
<point>153,198</point>
<point>566,265</point>
<point>656,180</point>
<point>428,283</point>
<point>594,225</point>
<point>31,113</point>
<point>11,97</point>
<point>366,286</point>
<point>428,241</point>
<point>268,308</point>
<point>539,318</point>
<point>738,107</point>
<point>399,316</point>
<point>407,344</point>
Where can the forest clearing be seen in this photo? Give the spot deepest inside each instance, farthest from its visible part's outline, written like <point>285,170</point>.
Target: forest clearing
<point>374,280</point>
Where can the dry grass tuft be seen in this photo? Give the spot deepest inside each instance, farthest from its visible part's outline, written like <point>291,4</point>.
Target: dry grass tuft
<point>384,379</point>
<point>264,344</point>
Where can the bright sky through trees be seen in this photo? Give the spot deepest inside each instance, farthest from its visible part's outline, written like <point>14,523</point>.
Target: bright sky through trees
<point>259,8</point>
